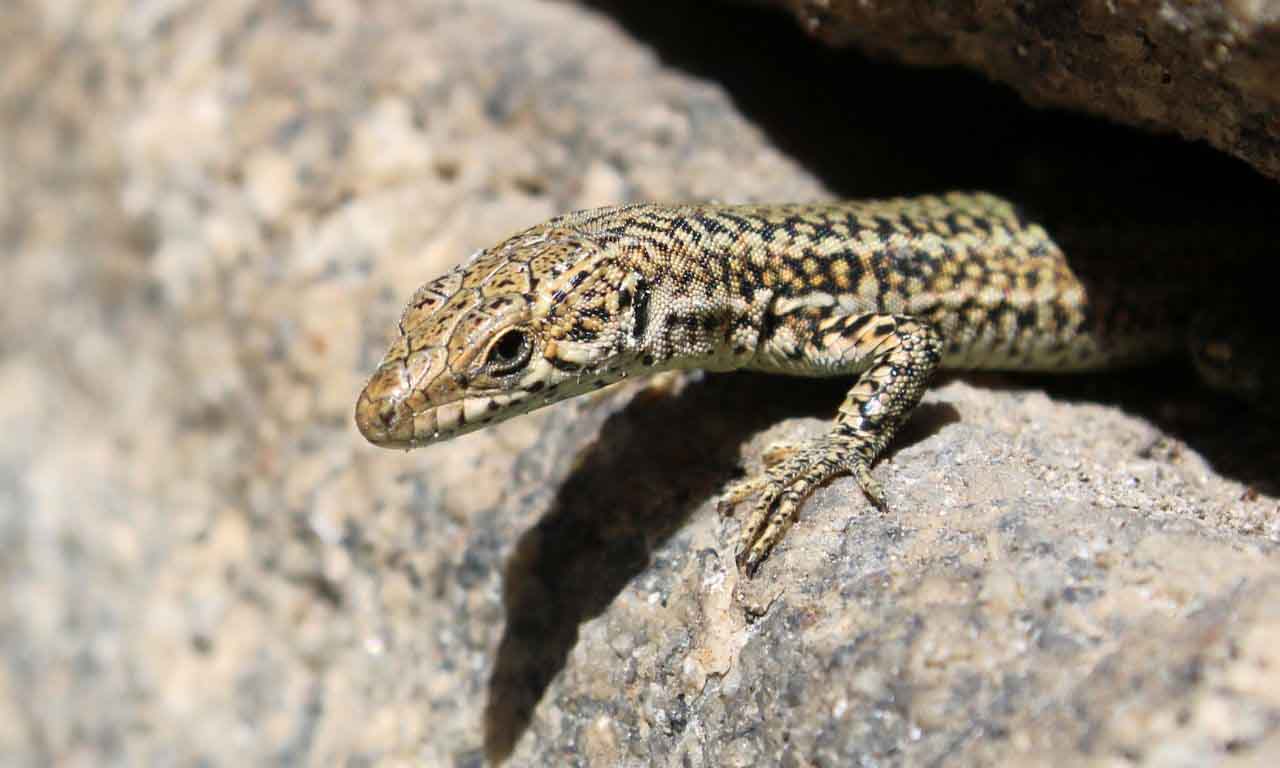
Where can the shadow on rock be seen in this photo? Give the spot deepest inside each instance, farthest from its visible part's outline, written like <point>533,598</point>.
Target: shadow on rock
<point>868,126</point>
<point>658,460</point>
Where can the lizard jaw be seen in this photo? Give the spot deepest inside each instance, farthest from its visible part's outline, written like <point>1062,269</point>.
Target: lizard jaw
<point>391,414</point>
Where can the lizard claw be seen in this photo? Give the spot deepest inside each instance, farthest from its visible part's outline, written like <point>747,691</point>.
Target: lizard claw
<point>781,489</point>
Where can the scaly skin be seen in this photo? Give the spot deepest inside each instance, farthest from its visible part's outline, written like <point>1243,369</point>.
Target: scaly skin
<point>884,291</point>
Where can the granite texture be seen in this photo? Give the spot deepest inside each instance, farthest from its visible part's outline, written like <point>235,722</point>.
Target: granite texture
<point>1206,69</point>
<point>209,217</point>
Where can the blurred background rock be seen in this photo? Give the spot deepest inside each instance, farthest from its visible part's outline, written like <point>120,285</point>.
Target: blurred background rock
<point>210,215</point>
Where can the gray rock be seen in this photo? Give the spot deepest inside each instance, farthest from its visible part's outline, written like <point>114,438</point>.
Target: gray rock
<point>1206,70</point>
<point>209,217</point>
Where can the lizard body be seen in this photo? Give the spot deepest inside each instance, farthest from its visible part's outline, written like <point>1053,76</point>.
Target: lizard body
<point>884,291</point>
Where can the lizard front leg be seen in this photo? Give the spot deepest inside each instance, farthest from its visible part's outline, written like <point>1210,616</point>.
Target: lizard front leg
<point>896,356</point>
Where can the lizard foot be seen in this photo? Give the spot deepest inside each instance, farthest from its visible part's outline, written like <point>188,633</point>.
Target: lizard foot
<point>782,487</point>
<point>741,490</point>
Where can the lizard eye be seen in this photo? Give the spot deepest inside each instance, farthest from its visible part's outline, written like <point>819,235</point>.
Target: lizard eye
<point>510,352</point>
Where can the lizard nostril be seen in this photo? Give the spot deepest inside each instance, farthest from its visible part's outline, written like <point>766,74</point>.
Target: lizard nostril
<point>387,415</point>
<point>382,421</point>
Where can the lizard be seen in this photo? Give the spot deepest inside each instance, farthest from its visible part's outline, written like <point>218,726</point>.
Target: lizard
<point>884,291</point>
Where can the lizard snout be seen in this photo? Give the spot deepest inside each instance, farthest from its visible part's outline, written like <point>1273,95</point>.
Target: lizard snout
<point>382,415</point>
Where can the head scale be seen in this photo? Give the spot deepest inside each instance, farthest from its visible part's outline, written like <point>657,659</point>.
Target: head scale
<point>528,322</point>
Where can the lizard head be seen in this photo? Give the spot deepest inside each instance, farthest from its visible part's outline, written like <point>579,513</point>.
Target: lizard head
<point>538,318</point>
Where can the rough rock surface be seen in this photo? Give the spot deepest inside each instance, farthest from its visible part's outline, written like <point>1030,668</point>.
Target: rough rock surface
<point>209,216</point>
<point>1207,70</point>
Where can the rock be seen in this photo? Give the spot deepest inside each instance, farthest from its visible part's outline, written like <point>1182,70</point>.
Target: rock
<point>210,216</point>
<point>1206,70</point>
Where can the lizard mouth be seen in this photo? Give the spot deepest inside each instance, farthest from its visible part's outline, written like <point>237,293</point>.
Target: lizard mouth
<point>391,414</point>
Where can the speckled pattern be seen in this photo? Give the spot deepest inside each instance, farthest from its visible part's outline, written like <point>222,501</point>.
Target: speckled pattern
<point>886,291</point>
